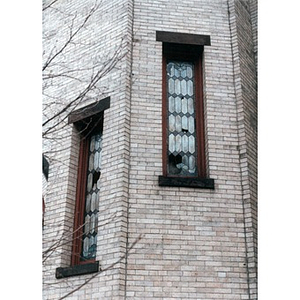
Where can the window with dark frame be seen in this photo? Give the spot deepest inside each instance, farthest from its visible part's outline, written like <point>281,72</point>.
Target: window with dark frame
<point>87,193</point>
<point>89,124</point>
<point>184,161</point>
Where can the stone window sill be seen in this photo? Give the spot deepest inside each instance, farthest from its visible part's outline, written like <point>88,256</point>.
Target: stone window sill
<point>76,270</point>
<point>194,182</point>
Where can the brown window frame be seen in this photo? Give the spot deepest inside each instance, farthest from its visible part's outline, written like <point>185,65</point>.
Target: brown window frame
<point>86,127</point>
<point>188,53</point>
<point>186,48</point>
<point>87,121</point>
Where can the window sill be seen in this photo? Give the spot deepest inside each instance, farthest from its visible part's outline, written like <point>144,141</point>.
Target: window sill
<point>194,182</point>
<point>77,270</point>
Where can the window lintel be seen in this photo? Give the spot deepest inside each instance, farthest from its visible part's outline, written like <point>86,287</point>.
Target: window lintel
<point>89,110</point>
<point>183,38</point>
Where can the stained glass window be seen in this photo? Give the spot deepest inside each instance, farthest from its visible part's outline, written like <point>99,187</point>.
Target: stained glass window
<point>89,238</point>
<point>181,119</point>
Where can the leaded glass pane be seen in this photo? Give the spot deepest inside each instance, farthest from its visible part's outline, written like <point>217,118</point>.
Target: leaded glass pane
<point>178,105</point>
<point>190,105</point>
<point>178,125</point>
<point>89,182</point>
<point>177,87</point>
<point>178,143</point>
<point>190,90</point>
<point>181,118</point>
<point>92,198</point>
<point>184,105</point>
<point>191,144</point>
<point>171,104</point>
<point>184,123</point>
<point>171,143</point>
<point>185,144</point>
<point>183,87</point>
<point>91,161</point>
<point>92,144</point>
<point>171,86</point>
<point>171,123</point>
<point>191,122</point>
<point>87,224</point>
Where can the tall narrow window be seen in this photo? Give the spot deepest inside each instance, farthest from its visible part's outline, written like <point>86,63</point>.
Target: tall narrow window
<point>182,152</point>
<point>184,157</point>
<point>88,186</point>
<point>89,123</point>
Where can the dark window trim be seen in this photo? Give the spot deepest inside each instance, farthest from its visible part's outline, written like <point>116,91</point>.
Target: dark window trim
<point>183,38</point>
<point>195,182</point>
<point>89,110</point>
<point>77,270</point>
<point>86,120</point>
<point>190,48</point>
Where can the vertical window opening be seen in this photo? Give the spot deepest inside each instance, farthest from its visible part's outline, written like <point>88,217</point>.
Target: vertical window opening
<point>89,124</point>
<point>183,117</point>
<point>88,189</point>
<point>90,219</point>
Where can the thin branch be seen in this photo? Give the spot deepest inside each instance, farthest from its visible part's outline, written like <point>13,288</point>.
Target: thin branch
<point>103,270</point>
<point>72,35</point>
<point>49,5</point>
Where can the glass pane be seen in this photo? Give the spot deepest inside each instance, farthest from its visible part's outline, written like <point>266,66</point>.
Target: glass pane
<point>92,144</point>
<point>96,160</point>
<point>191,122</point>
<point>189,72</point>
<point>184,123</point>
<point>177,87</point>
<point>178,143</point>
<point>92,227</point>
<point>184,107</point>
<point>91,162</point>
<point>90,182</point>
<point>185,144</point>
<point>93,203</point>
<point>191,144</point>
<point>191,105</point>
<point>171,104</point>
<point>183,70</point>
<point>171,123</point>
<point>178,123</point>
<point>171,86</point>
<point>88,203</point>
<point>183,87</point>
<point>190,90</point>
<point>171,143</point>
<point>87,224</point>
<point>178,104</point>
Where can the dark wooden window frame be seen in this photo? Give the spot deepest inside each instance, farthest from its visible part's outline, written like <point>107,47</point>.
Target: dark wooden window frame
<point>185,47</point>
<point>87,120</point>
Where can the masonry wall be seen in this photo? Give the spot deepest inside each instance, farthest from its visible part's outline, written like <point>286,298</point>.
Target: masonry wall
<point>188,243</point>
<point>194,244</point>
<point>105,36</point>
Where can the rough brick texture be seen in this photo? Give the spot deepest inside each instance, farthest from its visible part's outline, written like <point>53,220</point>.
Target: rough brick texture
<point>194,243</point>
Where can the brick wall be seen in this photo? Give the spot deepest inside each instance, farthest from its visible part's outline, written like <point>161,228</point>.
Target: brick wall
<point>195,243</point>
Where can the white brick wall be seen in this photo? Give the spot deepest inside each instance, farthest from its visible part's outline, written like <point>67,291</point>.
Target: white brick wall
<point>193,243</point>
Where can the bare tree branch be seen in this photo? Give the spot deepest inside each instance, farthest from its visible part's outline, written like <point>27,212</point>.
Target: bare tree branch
<point>71,37</point>
<point>103,270</point>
